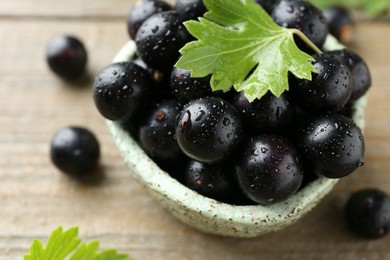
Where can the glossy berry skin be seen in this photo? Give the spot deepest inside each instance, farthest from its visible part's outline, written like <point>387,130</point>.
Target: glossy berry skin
<point>303,16</point>
<point>141,11</point>
<point>209,129</point>
<point>190,9</point>
<point>268,5</point>
<point>121,89</point>
<point>75,151</point>
<point>331,145</point>
<point>270,114</point>
<point>328,91</point>
<point>66,56</point>
<point>156,134</point>
<point>367,213</point>
<point>209,180</point>
<point>340,23</point>
<point>268,169</point>
<point>360,73</point>
<point>160,38</point>
<point>185,88</point>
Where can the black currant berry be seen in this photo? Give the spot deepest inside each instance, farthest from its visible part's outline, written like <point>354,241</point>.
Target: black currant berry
<point>268,169</point>
<point>209,129</point>
<point>270,114</point>
<point>160,38</point>
<point>141,11</point>
<point>331,145</point>
<point>190,9</point>
<point>66,56</point>
<point>121,89</point>
<point>156,135</point>
<point>340,23</point>
<point>75,151</point>
<point>210,181</point>
<point>367,213</point>
<point>185,88</point>
<point>268,5</point>
<point>360,73</point>
<point>303,16</point>
<point>329,89</point>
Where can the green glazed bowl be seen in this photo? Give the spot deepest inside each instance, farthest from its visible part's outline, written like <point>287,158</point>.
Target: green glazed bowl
<point>207,214</point>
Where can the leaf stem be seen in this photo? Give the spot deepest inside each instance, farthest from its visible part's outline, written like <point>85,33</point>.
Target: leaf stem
<point>305,39</point>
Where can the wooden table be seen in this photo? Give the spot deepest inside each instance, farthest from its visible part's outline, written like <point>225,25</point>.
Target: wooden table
<point>35,198</point>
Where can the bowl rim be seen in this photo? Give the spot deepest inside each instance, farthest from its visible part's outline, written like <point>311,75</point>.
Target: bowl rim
<point>262,218</point>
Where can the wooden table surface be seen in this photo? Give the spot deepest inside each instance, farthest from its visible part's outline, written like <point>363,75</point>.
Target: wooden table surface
<point>35,198</point>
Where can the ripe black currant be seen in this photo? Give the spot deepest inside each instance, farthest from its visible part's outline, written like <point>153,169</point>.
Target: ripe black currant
<point>340,23</point>
<point>270,114</point>
<point>75,151</point>
<point>269,169</point>
<point>156,134</point>
<point>209,129</point>
<point>329,89</point>
<point>268,5</point>
<point>331,145</point>
<point>212,181</point>
<point>121,89</point>
<point>141,11</point>
<point>66,56</point>
<point>367,213</point>
<point>185,88</point>
<point>304,17</point>
<point>190,9</point>
<point>360,74</point>
<point>160,38</point>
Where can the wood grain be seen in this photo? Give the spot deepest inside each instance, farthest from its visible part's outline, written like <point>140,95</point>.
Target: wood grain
<point>35,198</point>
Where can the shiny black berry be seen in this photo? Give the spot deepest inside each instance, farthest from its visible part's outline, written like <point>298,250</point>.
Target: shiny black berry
<point>340,23</point>
<point>121,89</point>
<point>268,169</point>
<point>270,114</point>
<point>75,151</point>
<point>209,129</point>
<point>185,88</point>
<point>331,145</point>
<point>190,9</point>
<point>268,5</point>
<point>66,56</point>
<point>329,89</point>
<point>210,180</point>
<point>360,73</point>
<point>367,213</point>
<point>303,16</point>
<point>160,38</point>
<point>157,133</point>
<point>141,11</point>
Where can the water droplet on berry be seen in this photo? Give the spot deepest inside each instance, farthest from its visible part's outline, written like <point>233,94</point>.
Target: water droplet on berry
<point>199,115</point>
<point>155,29</point>
<point>226,121</point>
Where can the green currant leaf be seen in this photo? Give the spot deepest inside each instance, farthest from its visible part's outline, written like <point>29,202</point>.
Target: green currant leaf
<point>36,251</point>
<point>61,243</point>
<point>237,37</point>
<point>66,245</point>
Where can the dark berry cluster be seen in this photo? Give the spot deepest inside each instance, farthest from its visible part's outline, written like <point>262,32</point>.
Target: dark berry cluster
<point>220,144</point>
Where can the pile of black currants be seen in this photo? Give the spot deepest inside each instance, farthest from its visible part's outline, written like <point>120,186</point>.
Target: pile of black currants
<point>220,144</point>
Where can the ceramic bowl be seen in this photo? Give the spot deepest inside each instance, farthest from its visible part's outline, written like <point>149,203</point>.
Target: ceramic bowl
<point>207,214</point>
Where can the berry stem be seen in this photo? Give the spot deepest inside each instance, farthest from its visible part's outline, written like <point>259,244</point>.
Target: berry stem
<point>305,39</point>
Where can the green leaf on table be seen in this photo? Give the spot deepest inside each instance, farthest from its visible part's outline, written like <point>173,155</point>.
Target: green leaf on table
<point>241,46</point>
<point>66,245</point>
